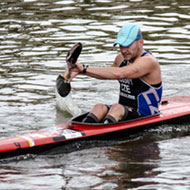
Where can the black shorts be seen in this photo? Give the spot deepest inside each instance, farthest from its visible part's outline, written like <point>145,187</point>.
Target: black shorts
<point>130,113</point>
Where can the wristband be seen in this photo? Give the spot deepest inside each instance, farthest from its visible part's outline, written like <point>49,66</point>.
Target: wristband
<point>84,68</point>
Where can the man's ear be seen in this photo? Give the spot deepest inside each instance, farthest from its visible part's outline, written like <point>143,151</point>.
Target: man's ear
<point>142,41</point>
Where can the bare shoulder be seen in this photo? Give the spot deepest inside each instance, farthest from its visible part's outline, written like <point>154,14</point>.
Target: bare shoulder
<point>119,58</point>
<point>150,69</point>
<point>148,61</point>
<point>145,67</point>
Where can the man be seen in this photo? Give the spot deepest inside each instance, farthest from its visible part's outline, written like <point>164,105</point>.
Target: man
<point>138,73</point>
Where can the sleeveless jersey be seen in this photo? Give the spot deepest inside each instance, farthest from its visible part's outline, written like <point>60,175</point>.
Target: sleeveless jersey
<point>138,94</point>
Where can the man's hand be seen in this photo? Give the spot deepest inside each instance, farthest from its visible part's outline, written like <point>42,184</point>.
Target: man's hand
<point>71,73</point>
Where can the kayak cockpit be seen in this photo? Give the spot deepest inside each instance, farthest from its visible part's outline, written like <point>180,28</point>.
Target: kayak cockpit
<point>78,120</point>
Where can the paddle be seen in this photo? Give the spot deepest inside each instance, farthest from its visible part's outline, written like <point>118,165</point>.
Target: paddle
<point>63,87</point>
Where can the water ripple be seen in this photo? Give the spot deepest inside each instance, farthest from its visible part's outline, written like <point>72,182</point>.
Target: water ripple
<point>35,36</point>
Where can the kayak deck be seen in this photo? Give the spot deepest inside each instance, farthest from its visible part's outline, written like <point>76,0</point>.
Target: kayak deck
<point>172,108</point>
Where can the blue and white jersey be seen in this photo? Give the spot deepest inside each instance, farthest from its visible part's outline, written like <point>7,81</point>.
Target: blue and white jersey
<point>138,94</point>
<point>148,101</point>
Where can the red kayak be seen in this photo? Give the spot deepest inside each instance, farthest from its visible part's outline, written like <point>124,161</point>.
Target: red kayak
<point>171,108</point>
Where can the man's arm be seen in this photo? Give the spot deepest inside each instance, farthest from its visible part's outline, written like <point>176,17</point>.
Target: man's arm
<point>141,67</point>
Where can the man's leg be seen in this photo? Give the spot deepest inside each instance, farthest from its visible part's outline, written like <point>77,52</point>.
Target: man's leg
<point>98,112</point>
<point>115,113</point>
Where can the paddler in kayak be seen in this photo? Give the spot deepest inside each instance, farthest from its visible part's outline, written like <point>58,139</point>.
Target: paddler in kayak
<point>138,73</point>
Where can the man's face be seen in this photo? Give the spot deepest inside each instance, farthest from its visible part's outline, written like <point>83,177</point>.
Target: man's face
<point>131,52</point>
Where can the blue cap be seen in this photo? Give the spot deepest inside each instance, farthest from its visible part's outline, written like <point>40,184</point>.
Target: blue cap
<point>127,35</point>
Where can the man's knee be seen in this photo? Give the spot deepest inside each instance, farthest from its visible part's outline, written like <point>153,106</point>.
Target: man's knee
<point>117,111</point>
<point>117,107</point>
<point>100,110</point>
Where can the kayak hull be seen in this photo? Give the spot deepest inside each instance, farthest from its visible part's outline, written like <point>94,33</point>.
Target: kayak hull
<point>171,109</point>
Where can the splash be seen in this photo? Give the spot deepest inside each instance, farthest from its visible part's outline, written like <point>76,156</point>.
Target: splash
<point>66,104</point>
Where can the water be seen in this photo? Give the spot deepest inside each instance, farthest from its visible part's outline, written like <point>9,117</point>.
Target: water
<point>35,36</point>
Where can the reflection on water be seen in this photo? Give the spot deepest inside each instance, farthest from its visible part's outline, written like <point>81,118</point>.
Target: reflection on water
<point>35,36</point>
<point>136,164</point>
